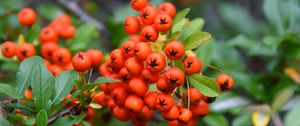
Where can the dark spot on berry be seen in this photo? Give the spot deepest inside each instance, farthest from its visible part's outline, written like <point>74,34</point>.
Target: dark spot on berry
<point>145,14</point>
<point>172,81</point>
<point>224,86</point>
<point>163,21</point>
<point>24,53</point>
<point>127,50</point>
<point>162,103</point>
<point>60,59</point>
<point>173,52</point>
<point>147,37</point>
<point>189,64</point>
<point>153,63</point>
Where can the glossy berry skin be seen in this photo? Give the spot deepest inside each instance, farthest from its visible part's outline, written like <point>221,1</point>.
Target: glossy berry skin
<point>134,104</point>
<point>185,115</point>
<point>96,56</point>
<point>136,38</point>
<point>62,56</point>
<point>145,114</point>
<point>48,49</point>
<point>171,114</point>
<point>195,96</point>
<point>119,95</point>
<point>138,4</point>
<point>90,114</point>
<point>148,15</point>
<point>103,70</point>
<point>174,76</point>
<point>155,62</point>
<point>9,49</point>
<point>48,35</point>
<point>164,102</point>
<point>192,65</point>
<point>125,75</point>
<point>55,69</point>
<point>149,76</point>
<point>81,62</point>
<point>128,48</point>
<point>167,8</point>
<point>149,34</point>
<point>142,50</point>
<point>117,59</point>
<point>134,66</point>
<point>26,17</point>
<point>225,82</point>
<point>138,86</point>
<point>163,22</point>
<point>132,25</point>
<point>150,98</point>
<point>163,86</point>
<point>121,113</point>
<point>102,99</point>
<point>200,110</point>
<point>174,50</point>
<point>63,19</point>
<point>67,31</point>
<point>25,50</point>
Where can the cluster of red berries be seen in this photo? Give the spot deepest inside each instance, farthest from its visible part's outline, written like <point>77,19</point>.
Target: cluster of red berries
<point>151,21</point>
<point>137,66</point>
<point>57,59</point>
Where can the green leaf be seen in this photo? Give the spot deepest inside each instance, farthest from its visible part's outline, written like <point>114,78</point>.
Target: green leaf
<point>216,120</point>
<point>10,91</point>
<point>271,9</point>
<point>205,52</point>
<point>179,25</point>
<point>180,15</point>
<point>100,80</point>
<point>33,33</point>
<point>243,120</point>
<point>42,118</point>
<point>173,36</point>
<point>193,26</point>
<point>49,11</point>
<point>19,106</point>
<point>62,104</point>
<point>196,39</point>
<point>29,121</point>
<point>25,72</point>
<point>42,86</point>
<point>292,117</point>
<point>68,120</point>
<point>281,98</point>
<point>205,85</point>
<point>63,85</point>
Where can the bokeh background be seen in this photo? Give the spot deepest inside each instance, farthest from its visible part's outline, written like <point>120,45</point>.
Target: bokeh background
<point>255,41</point>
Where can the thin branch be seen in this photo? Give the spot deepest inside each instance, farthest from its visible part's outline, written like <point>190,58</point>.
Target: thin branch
<point>60,114</point>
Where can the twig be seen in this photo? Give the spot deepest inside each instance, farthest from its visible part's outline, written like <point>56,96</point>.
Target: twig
<point>188,90</point>
<point>61,113</point>
<point>276,120</point>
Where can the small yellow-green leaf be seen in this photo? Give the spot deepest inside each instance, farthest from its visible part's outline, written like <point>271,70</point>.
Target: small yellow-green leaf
<point>196,39</point>
<point>205,85</point>
<point>281,98</point>
<point>180,15</point>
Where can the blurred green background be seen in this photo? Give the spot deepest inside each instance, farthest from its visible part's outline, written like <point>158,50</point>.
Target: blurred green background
<point>255,41</point>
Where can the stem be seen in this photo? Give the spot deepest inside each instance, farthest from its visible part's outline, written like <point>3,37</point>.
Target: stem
<point>61,113</point>
<point>90,74</point>
<point>188,90</point>
<point>215,68</point>
<point>173,63</point>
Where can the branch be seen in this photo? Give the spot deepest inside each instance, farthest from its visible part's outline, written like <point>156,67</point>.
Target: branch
<point>61,113</point>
